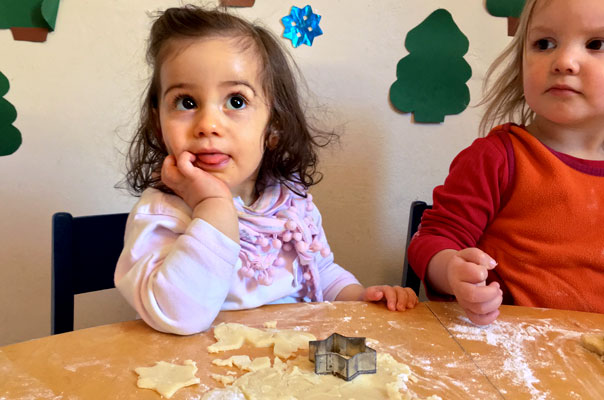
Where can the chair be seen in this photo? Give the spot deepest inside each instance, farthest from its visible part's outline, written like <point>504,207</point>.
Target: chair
<point>85,251</point>
<point>410,278</point>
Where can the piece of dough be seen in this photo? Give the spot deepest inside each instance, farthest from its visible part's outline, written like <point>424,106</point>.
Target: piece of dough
<point>225,380</point>
<point>244,362</point>
<point>166,378</point>
<point>270,324</point>
<point>231,336</point>
<point>593,343</point>
<point>238,361</point>
<point>296,380</point>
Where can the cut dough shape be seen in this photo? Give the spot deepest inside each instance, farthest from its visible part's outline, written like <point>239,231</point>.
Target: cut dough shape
<point>296,379</point>
<point>593,343</point>
<point>225,380</point>
<point>270,324</point>
<point>238,361</point>
<point>166,378</point>
<point>244,362</point>
<point>231,336</point>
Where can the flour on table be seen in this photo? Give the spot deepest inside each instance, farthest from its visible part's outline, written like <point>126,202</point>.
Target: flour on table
<point>593,343</point>
<point>166,378</point>
<point>231,336</point>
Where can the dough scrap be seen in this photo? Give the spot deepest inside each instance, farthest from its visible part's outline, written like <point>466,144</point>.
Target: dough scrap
<point>593,343</point>
<point>238,361</point>
<point>296,380</point>
<point>166,378</point>
<point>224,379</point>
<point>244,362</point>
<point>231,336</point>
<point>270,324</point>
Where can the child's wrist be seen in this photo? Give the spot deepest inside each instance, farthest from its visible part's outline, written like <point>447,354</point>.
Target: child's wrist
<point>213,205</point>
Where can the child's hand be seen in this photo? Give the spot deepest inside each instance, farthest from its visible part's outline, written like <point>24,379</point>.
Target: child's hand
<point>192,184</point>
<point>467,272</point>
<point>397,298</point>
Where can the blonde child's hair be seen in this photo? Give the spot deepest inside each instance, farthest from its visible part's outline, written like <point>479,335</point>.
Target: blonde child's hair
<point>504,96</point>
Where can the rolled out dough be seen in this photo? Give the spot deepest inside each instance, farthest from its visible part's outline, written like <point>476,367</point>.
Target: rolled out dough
<point>593,343</point>
<point>231,336</point>
<point>166,378</point>
<point>296,379</point>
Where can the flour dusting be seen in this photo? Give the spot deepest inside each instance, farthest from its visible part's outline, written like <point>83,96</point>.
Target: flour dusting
<point>515,338</point>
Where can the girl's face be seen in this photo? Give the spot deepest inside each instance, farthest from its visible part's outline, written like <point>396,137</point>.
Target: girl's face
<point>563,63</point>
<point>212,104</point>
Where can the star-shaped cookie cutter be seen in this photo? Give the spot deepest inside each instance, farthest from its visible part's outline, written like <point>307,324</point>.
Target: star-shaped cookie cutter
<point>344,356</point>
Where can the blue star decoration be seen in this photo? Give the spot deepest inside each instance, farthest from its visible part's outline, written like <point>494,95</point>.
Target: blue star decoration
<point>301,26</point>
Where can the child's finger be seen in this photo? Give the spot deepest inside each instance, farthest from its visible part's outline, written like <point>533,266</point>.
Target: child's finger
<point>374,293</point>
<point>485,307</point>
<point>403,298</point>
<point>477,256</point>
<point>482,319</point>
<point>390,295</point>
<point>470,293</point>
<point>185,163</point>
<point>470,272</point>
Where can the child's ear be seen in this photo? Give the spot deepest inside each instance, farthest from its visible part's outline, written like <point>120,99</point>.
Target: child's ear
<point>273,140</point>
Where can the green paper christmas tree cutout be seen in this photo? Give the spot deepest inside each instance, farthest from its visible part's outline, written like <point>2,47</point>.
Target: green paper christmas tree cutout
<point>29,20</point>
<point>10,137</point>
<point>431,80</point>
<point>505,8</point>
<point>29,14</point>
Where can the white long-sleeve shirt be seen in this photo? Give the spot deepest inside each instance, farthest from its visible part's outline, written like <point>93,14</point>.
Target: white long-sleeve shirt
<point>178,272</point>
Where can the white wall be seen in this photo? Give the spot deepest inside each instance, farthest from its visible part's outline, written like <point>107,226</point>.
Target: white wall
<point>77,97</point>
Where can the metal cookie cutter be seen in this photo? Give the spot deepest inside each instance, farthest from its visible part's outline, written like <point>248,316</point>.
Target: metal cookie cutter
<point>344,356</point>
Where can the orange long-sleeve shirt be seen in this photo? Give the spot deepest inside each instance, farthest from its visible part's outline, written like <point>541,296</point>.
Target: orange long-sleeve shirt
<point>538,213</point>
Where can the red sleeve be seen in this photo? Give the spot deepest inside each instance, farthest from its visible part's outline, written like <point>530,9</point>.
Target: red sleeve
<point>467,202</point>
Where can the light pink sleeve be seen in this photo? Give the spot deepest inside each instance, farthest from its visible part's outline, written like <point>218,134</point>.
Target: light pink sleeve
<point>174,270</point>
<point>334,278</point>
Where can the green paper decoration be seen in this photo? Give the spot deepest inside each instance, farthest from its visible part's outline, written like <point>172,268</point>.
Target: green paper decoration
<point>10,137</point>
<point>29,20</point>
<point>505,8</point>
<point>28,14</point>
<point>431,80</point>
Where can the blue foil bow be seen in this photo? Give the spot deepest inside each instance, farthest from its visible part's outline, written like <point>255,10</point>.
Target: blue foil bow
<point>301,26</point>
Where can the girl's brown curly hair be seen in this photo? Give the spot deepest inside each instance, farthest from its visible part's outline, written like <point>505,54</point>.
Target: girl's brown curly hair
<point>291,161</point>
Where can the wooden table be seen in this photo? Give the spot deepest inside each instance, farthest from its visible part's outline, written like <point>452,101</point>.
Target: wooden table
<point>526,354</point>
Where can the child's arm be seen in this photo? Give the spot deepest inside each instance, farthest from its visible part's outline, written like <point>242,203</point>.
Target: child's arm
<point>443,252</point>
<point>174,270</point>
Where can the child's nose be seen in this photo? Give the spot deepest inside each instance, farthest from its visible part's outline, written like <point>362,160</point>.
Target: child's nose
<point>565,61</point>
<point>208,122</point>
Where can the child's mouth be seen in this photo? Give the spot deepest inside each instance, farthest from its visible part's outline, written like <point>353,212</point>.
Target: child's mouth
<point>212,160</point>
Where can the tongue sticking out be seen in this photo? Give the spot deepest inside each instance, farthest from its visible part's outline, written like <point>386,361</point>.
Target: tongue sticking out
<point>212,158</point>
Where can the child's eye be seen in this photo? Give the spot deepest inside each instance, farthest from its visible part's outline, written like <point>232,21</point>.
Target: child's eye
<point>596,44</point>
<point>236,102</point>
<point>184,103</point>
<point>544,44</point>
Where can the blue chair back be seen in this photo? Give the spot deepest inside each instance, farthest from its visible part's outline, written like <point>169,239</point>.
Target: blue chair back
<point>85,251</point>
<point>410,278</point>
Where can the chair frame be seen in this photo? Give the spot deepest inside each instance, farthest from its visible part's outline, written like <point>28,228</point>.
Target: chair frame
<point>410,278</point>
<point>85,251</point>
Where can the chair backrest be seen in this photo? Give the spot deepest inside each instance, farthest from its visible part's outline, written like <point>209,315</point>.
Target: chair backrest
<point>85,251</point>
<point>410,278</point>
